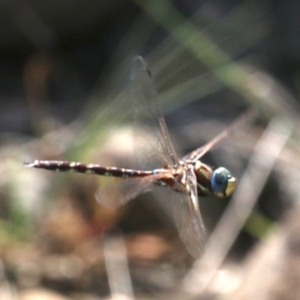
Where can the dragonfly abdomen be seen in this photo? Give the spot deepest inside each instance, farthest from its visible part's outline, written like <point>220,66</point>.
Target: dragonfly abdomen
<point>66,166</point>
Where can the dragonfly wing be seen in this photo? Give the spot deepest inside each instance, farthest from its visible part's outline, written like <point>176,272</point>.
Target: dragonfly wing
<point>199,152</point>
<point>188,218</point>
<point>115,192</point>
<point>237,124</point>
<point>152,143</point>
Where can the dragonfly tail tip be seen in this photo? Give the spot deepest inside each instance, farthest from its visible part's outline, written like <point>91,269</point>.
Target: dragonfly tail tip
<point>28,164</point>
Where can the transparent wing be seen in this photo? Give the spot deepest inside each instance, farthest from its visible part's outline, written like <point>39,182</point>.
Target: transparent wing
<point>152,143</point>
<point>153,147</point>
<point>199,152</point>
<point>188,218</point>
<point>241,121</point>
<point>114,192</point>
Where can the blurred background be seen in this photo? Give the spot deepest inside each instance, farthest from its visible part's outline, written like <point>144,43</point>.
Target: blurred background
<point>65,95</point>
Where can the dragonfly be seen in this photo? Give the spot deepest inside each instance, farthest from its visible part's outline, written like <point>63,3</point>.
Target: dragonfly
<point>187,178</point>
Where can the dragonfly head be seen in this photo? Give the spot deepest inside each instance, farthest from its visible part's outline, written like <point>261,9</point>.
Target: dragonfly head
<point>222,182</point>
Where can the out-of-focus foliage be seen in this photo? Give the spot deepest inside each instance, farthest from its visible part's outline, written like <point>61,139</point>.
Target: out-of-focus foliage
<point>64,95</point>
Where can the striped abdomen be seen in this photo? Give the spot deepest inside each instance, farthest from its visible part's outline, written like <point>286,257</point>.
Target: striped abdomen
<point>65,166</point>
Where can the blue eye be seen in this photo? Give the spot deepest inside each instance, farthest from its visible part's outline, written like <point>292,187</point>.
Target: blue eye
<point>219,180</point>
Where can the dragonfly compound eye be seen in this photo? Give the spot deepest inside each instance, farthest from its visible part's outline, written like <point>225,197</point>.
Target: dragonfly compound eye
<point>222,182</point>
